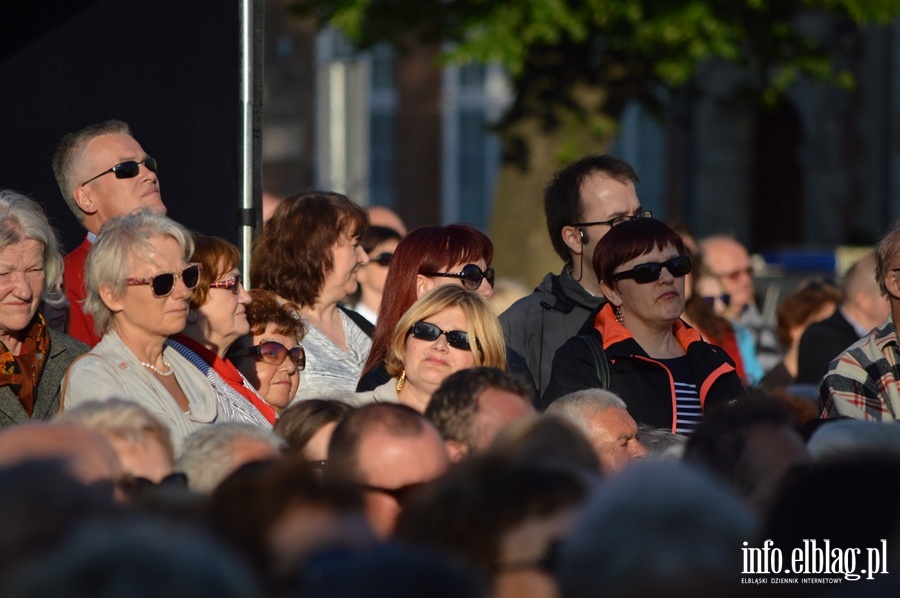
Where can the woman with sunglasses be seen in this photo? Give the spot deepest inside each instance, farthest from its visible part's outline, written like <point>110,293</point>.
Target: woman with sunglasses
<point>309,255</point>
<point>271,357</point>
<point>217,318</point>
<point>661,367</point>
<point>379,243</point>
<point>427,257</point>
<point>446,330</point>
<point>139,282</point>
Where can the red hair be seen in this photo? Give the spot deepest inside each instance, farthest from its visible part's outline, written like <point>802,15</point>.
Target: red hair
<point>425,250</point>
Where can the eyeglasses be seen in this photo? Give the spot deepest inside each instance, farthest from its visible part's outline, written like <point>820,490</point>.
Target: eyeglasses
<point>126,170</point>
<point>274,353</point>
<point>382,259</point>
<point>650,272</point>
<point>426,331</point>
<point>710,300</point>
<point>402,495</point>
<point>162,285</point>
<point>618,219</point>
<point>233,283</point>
<point>737,273</point>
<point>471,276</point>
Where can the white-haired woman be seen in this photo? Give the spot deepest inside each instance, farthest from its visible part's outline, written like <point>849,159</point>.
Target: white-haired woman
<point>33,358</point>
<point>139,286</point>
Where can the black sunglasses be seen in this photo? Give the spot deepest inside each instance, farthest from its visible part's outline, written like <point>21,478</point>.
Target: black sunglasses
<point>426,331</point>
<point>274,353</point>
<point>710,300</point>
<point>649,272</point>
<point>618,219</point>
<point>233,284</point>
<point>126,170</point>
<point>471,276</point>
<point>162,285</point>
<point>382,259</point>
<point>402,495</point>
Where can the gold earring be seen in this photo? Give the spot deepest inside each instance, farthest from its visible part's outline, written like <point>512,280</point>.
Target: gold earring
<point>401,381</point>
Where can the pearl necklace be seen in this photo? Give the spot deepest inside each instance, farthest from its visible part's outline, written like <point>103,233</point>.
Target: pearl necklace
<point>150,366</point>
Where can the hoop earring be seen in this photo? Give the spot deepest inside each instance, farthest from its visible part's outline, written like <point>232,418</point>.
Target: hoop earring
<point>402,381</point>
<point>619,317</point>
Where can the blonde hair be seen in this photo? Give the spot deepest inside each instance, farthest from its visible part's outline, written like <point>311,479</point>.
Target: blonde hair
<point>485,335</point>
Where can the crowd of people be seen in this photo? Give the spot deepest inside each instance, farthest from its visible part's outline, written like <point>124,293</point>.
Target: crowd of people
<point>364,423</point>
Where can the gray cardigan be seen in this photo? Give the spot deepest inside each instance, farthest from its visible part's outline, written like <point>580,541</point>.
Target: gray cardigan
<point>63,351</point>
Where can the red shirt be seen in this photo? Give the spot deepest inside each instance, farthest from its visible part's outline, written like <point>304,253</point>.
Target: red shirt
<point>81,325</point>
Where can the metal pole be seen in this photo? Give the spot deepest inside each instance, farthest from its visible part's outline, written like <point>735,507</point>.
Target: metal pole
<point>250,212</point>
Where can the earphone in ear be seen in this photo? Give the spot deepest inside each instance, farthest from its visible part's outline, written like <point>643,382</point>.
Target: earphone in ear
<point>584,238</point>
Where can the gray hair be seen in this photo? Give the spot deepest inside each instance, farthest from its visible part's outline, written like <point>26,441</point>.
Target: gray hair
<point>69,158</point>
<point>628,542</point>
<point>121,419</point>
<point>120,242</point>
<point>21,219</point>
<point>661,443</point>
<point>207,456</point>
<point>577,406</point>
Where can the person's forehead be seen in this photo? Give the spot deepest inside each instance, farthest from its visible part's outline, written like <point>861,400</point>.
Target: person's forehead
<point>394,460</point>
<point>115,144</point>
<point>725,251</point>
<point>601,192</point>
<point>615,421</point>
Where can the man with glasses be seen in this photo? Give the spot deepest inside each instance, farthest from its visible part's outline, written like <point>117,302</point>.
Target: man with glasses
<point>387,452</point>
<point>582,203</point>
<point>728,260</point>
<point>102,172</point>
<point>863,382</point>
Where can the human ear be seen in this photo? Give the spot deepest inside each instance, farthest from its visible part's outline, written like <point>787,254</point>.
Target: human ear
<point>423,284</point>
<point>575,238</point>
<point>110,299</point>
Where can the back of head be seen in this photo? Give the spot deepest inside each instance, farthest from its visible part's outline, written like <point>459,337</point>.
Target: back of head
<point>299,422</point>
<point>69,156</point>
<point>212,452</point>
<point>454,404</point>
<point>847,437</point>
<point>293,255</point>
<point>424,250</point>
<point>631,543</point>
<point>575,406</point>
<point>546,439</point>
<point>343,450</point>
<point>562,196</point>
<point>801,305</point>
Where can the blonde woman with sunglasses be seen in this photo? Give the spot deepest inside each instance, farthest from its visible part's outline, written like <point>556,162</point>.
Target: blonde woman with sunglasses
<point>446,330</point>
<point>139,284</point>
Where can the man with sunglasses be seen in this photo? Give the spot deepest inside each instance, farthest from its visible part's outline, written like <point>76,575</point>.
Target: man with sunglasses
<point>728,260</point>
<point>582,203</point>
<point>102,172</point>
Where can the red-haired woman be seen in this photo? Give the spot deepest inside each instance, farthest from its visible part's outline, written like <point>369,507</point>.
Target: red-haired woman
<point>661,367</point>
<point>427,257</point>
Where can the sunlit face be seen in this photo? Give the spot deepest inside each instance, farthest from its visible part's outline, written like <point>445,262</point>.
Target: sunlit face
<point>729,261</point>
<point>347,257</point>
<point>427,363</point>
<point>710,288</point>
<point>108,196</point>
<point>277,384</point>
<point>21,284</point>
<point>613,434</point>
<point>137,311</point>
<point>603,198</point>
<point>426,283</point>
<point>222,319</point>
<point>655,304</point>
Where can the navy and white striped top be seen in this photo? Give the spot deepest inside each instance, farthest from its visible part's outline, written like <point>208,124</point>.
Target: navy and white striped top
<point>689,413</point>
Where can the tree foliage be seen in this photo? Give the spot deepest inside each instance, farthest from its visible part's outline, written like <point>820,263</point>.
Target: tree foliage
<point>629,48</point>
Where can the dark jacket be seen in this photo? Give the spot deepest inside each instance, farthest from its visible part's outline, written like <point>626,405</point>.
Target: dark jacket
<point>820,344</point>
<point>63,351</point>
<point>538,324</point>
<point>644,384</point>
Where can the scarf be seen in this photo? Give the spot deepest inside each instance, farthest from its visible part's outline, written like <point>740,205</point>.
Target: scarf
<point>23,371</point>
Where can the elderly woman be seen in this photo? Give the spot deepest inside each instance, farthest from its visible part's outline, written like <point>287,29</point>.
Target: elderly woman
<point>309,254</point>
<point>427,257</point>
<point>271,356</point>
<point>217,318</point>
<point>447,330</point>
<point>661,367</point>
<point>139,285</point>
<point>34,358</point>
